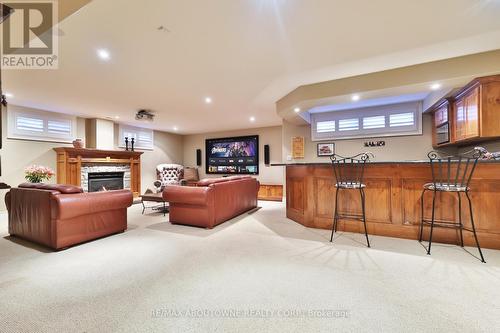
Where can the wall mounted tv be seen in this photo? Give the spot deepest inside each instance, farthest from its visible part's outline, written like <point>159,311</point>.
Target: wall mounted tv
<point>236,155</point>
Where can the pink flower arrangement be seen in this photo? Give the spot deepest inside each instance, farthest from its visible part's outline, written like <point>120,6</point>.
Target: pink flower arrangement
<point>37,173</point>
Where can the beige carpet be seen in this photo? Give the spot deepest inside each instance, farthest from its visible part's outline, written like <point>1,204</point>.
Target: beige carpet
<point>257,273</point>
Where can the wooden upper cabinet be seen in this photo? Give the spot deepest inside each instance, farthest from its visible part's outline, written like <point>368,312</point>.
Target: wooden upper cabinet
<point>467,115</point>
<point>474,114</point>
<point>441,130</point>
<point>441,115</point>
<point>460,118</point>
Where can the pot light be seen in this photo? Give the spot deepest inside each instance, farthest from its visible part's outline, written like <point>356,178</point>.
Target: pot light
<point>8,95</point>
<point>252,119</point>
<point>296,110</point>
<point>436,86</point>
<point>208,100</point>
<point>176,128</point>
<point>355,98</point>
<point>103,54</point>
<point>117,117</point>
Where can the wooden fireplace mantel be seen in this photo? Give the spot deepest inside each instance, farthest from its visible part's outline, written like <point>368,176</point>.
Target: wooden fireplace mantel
<point>70,160</point>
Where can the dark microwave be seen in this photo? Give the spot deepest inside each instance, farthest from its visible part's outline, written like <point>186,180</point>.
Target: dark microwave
<point>443,133</point>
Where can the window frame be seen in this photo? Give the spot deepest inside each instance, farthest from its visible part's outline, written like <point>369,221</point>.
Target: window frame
<point>361,133</point>
<point>134,129</point>
<point>46,116</point>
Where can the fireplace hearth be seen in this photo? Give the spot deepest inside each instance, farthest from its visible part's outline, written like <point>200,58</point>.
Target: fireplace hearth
<point>102,181</point>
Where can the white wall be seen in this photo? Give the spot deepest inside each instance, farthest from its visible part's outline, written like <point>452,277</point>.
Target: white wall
<point>104,134</point>
<point>398,148</point>
<point>267,135</point>
<point>18,154</point>
<point>167,149</point>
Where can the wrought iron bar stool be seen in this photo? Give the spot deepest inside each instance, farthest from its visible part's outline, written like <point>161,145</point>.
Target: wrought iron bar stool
<point>349,172</point>
<point>450,174</point>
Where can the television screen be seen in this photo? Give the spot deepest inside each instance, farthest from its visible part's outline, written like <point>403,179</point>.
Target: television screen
<point>237,155</point>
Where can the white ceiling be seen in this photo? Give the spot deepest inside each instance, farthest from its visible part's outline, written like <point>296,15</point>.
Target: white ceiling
<point>378,101</point>
<point>245,54</point>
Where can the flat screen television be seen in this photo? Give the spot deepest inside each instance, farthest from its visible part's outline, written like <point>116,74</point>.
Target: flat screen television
<point>236,155</point>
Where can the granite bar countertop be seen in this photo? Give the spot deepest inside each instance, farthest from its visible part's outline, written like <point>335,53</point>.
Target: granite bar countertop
<point>371,162</point>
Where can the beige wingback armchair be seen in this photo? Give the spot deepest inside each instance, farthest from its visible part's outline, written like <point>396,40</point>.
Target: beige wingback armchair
<point>175,174</point>
<point>169,174</point>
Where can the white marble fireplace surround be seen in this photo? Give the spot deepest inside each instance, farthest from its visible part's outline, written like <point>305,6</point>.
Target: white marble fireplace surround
<point>95,167</point>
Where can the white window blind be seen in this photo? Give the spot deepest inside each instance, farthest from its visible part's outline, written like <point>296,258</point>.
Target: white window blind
<point>378,121</point>
<point>143,137</point>
<point>325,126</point>
<point>373,122</point>
<point>59,127</point>
<point>402,119</point>
<point>29,124</point>
<point>349,124</point>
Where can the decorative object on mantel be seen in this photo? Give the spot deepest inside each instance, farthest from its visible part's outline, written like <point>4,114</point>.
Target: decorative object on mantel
<point>298,147</point>
<point>132,141</point>
<point>126,143</point>
<point>326,149</point>
<point>374,143</point>
<point>38,173</point>
<point>78,143</point>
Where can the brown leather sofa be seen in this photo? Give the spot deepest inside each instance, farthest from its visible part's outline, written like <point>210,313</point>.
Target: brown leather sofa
<point>212,201</point>
<point>59,216</point>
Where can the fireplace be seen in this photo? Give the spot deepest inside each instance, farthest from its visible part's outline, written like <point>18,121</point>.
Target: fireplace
<point>101,181</point>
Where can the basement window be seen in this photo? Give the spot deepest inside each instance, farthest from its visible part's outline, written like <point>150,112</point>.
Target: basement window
<point>389,120</point>
<point>143,137</point>
<point>37,125</point>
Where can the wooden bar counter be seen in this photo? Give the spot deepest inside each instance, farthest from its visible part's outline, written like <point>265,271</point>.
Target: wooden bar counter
<point>393,201</point>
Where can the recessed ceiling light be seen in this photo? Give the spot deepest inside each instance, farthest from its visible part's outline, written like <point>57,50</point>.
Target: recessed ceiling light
<point>355,98</point>
<point>252,119</point>
<point>103,54</point>
<point>176,128</point>
<point>435,86</point>
<point>208,100</point>
<point>117,117</point>
<point>297,110</point>
<point>9,95</point>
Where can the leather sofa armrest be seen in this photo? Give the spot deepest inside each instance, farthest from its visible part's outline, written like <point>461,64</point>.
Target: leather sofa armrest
<point>68,206</point>
<point>201,196</point>
<point>7,201</point>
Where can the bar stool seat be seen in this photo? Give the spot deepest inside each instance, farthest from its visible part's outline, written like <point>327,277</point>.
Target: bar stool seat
<point>445,187</point>
<point>350,185</point>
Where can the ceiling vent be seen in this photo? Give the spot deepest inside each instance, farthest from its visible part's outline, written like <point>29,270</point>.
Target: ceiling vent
<point>145,115</point>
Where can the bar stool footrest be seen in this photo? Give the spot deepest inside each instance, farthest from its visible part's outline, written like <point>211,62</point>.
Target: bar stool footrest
<point>351,217</point>
<point>444,224</point>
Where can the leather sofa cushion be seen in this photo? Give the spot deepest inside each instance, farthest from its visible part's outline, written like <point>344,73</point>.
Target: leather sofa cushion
<point>188,195</point>
<point>61,188</point>
<point>68,206</point>
<point>210,181</point>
